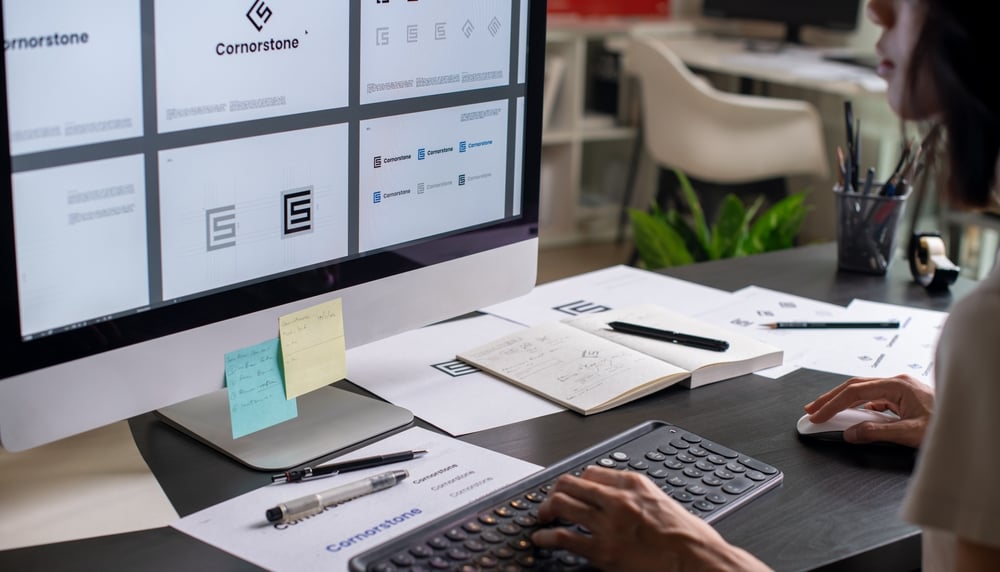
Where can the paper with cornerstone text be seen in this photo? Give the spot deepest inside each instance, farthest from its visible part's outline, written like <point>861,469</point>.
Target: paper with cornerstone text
<point>452,474</point>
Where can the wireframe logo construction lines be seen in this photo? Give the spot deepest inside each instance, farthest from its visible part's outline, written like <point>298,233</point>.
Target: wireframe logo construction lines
<point>220,227</point>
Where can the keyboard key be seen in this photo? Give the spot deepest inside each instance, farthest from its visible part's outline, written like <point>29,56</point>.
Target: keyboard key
<point>738,486</point>
<point>720,450</point>
<point>758,466</point>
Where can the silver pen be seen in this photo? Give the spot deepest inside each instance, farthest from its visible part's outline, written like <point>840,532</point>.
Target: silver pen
<point>316,503</point>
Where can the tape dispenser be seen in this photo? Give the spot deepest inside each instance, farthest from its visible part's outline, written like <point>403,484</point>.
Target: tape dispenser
<point>929,263</point>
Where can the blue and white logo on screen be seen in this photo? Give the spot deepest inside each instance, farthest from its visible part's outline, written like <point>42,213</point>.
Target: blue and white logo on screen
<point>377,197</point>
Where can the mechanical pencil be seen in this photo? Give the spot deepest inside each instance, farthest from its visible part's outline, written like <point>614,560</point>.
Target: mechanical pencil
<point>672,337</point>
<point>314,504</point>
<point>310,473</point>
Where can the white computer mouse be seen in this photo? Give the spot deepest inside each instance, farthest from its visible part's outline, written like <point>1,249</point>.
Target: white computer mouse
<point>833,428</point>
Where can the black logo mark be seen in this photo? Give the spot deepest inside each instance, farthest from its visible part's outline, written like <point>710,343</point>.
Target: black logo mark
<point>455,368</point>
<point>581,307</point>
<point>259,14</point>
<point>297,208</point>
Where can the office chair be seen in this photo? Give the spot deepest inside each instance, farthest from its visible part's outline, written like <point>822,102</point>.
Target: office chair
<point>715,136</point>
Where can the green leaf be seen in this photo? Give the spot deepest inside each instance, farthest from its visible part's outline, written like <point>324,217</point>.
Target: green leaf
<point>729,228</point>
<point>777,227</point>
<point>656,242</point>
<point>697,212</point>
<point>691,241</point>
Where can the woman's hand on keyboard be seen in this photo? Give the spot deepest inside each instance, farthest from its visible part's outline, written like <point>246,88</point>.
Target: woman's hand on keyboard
<point>905,396</point>
<point>631,525</point>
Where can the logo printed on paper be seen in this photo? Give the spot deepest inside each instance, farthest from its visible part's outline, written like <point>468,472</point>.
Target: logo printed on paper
<point>220,227</point>
<point>377,197</point>
<point>494,27</point>
<point>296,216</point>
<point>455,368</point>
<point>441,30</point>
<point>378,161</point>
<point>421,154</point>
<point>420,188</point>
<point>381,36</point>
<point>412,32</point>
<point>468,28</point>
<point>741,322</point>
<point>579,307</point>
<point>259,14</point>
<point>461,179</point>
<point>462,146</point>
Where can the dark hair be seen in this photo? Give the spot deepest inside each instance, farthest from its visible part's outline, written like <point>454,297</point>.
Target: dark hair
<point>957,48</point>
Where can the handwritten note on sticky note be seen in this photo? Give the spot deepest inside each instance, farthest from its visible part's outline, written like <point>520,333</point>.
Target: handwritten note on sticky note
<point>312,347</point>
<point>256,392</point>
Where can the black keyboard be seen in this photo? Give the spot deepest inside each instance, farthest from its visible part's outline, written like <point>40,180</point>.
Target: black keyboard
<point>494,532</point>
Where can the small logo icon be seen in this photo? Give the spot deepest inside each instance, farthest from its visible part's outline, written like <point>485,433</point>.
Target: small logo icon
<point>580,307</point>
<point>378,161</point>
<point>441,30</point>
<point>461,180</point>
<point>220,227</point>
<point>494,27</point>
<point>468,28</point>
<point>420,188</point>
<point>377,197</point>
<point>421,154</point>
<point>381,36</point>
<point>412,32</point>
<point>455,368</point>
<point>462,146</point>
<point>296,217</point>
<point>259,14</point>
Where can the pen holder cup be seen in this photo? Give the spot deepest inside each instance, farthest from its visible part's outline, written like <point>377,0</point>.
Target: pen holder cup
<point>866,230</point>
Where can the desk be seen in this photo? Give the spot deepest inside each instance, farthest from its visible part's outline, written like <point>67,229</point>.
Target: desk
<point>797,66</point>
<point>836,509</point>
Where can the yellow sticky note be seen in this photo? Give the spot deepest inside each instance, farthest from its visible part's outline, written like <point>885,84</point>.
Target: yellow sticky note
<point>312,347</point>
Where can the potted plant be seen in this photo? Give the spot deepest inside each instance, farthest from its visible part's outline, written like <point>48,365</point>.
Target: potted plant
<point>668,238</point>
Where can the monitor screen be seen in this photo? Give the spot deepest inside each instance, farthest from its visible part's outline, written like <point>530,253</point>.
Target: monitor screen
<point>838,15</point>
<point>180,174</point>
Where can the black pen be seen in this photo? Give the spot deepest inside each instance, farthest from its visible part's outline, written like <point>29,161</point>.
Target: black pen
<point>824,325</point>
<point>672,337</point>
<point>310,473</point>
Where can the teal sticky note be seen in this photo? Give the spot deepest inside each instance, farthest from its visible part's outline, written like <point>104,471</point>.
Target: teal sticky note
<point>256,389</point>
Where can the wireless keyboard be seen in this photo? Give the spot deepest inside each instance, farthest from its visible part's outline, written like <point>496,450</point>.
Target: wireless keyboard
<point>493,533</point>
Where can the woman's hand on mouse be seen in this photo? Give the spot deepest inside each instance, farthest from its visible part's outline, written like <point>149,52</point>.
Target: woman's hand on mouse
<point>909,399</point>
<point>633,526</point>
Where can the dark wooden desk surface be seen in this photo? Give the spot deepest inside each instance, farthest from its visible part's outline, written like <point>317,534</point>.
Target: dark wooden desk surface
<point>836,510</point>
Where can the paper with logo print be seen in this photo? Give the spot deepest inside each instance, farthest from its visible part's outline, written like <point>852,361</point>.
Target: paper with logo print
<point>452,474</point>
<point>256,392</point>
<point>607,289</point>
<point>312,347</point>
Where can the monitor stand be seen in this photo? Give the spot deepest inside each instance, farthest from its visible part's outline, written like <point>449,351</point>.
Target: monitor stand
<point>329,419</point>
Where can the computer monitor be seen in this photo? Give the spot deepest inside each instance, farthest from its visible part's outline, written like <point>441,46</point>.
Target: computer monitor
<point>179,174</point>
<point>837,15</point>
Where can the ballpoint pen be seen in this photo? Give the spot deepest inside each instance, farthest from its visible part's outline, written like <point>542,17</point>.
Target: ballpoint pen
<point>672,337</point>
<point>310,473</point>
<point>316,503</point>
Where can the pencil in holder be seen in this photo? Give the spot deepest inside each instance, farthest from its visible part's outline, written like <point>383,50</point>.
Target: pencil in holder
<point>866,229</point>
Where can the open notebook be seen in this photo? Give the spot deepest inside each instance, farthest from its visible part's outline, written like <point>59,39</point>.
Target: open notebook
<point>585,366</point>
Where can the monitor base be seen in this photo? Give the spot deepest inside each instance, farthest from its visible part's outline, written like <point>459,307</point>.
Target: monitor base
<point>329,419</point>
